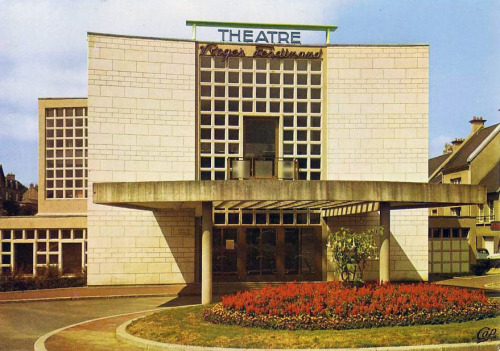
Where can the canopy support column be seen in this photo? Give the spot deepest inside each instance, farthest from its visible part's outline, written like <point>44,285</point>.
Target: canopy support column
<point>384,261</point>
<point>206,253</point>
<point>324,252</point>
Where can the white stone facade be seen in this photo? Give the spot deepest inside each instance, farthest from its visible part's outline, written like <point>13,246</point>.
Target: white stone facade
<point>377,130</point>
<point>141,128</point>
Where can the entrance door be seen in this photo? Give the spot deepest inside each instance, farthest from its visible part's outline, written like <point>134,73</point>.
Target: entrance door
<point>489,244</point>
<point>266,253</point>
<point>71,258</point>
<point>301,253</point>
<point>23,258</point>
<point>261,251</point>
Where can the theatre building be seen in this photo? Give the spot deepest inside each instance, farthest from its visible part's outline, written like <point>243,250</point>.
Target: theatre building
<point>231,162</point>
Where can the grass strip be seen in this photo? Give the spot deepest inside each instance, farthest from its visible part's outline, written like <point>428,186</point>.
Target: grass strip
<point>186,326</point>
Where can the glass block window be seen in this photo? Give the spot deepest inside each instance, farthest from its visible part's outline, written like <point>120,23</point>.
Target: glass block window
<point>66,153</point>
<point>239,87</point>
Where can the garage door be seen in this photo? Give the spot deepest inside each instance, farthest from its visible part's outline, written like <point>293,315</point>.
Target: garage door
<point>448,250</point>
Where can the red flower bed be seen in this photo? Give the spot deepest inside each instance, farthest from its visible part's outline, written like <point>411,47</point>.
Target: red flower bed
<point>334,305</point>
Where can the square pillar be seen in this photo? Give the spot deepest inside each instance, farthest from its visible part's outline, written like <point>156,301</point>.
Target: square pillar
<point>385,245</point>
<point>206,253</point>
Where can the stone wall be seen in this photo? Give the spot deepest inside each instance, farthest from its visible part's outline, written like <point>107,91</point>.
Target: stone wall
<point>377,130</point>
<point>141,128</point>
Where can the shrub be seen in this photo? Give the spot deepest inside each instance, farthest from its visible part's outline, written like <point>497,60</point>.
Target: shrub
<point>50,278</point>
<point>336,305</point>
<point>351,250</point>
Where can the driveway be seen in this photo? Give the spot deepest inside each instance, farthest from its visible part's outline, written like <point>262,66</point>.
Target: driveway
<point>490,282</point>
<point>21,324</point>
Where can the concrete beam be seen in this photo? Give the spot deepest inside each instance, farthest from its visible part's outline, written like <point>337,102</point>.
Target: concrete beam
<point>416,194</point>
<point>43,222</point>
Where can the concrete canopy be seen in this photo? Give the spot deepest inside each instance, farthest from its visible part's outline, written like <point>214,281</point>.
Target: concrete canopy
<point>334,198</point>
<point>273,194</point>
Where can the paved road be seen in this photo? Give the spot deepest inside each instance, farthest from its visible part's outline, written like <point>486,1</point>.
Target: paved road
<point>491,282</point>
<point>21,324</point>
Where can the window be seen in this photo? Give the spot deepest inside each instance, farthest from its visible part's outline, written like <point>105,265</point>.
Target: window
<point>491,208</point>
<point>456,180</point>
<point>455,211</point>
<point>66,143</point>
<point>243,86</point>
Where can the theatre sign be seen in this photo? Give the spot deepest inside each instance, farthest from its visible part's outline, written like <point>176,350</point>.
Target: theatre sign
<point>249,36</point>
<point>261,33</point>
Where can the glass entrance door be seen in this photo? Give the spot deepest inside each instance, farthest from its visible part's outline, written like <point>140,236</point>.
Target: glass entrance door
<point>266,253</point>
<point>261,251</point>
<point>301,252</point>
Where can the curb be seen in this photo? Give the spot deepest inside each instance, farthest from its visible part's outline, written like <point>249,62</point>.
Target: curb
<point>76,298</point>
<point>40,342</point>
<point>122,335</point>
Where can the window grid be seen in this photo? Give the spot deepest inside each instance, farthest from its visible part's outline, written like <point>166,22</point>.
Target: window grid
<point>47,246</point>
<point>66,153</point>
<point>291,89</point>
<point>268,217</point>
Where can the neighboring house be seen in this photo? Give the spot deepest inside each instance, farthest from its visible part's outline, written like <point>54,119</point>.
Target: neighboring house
<point>456,232</point>
<point>11,192</point>
<point>29,203</point>
<point>194,161</point>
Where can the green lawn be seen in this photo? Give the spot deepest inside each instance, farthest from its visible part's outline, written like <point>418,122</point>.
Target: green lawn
<point>186,326</point>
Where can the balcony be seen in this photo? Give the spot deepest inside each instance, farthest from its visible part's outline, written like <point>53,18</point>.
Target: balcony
<point>243,168</point>
<point>485,219</point>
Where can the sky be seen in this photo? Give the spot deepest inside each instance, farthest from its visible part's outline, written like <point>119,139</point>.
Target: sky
<point>43,52</point>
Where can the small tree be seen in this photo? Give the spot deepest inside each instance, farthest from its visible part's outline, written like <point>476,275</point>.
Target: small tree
<point>351,250</point>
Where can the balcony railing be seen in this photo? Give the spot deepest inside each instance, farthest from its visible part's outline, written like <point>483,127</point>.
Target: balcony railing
<point>485,219</point>
<point>262,168</point>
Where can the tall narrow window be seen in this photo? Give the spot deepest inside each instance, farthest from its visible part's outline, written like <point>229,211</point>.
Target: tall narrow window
<point>66,156</point>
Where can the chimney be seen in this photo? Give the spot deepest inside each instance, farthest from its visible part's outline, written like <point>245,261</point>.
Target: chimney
<point>456,143</point>
<point>476,124</point>
<point>11,176</point>
<point>448,149</point>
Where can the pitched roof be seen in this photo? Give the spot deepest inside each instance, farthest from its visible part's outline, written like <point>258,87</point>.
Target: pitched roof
<point>30,195</point>
<point>459,159</point>
<point>492,179</point>
<point>437,161</point>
